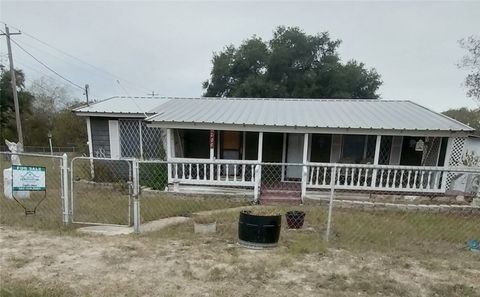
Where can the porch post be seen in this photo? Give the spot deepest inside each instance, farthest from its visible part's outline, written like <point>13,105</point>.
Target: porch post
<point>258,168</point>
<point>90,148</point>
<point>304,167</point>
<point>376,159</point>
<point>212,151</point>
<point>260,146</point>
<point>169,154</point>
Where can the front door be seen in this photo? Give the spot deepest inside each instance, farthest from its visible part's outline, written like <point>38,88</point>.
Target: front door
<point>231,145</point>
<point>294,155</point>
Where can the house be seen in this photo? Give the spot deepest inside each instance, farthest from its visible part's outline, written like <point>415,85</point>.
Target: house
<point>267,144</point>
<point>116,129</point>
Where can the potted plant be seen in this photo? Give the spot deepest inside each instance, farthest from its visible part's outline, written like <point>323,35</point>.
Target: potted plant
<point>204,225</point>
<point>295,219</point>
<point>259,228</point>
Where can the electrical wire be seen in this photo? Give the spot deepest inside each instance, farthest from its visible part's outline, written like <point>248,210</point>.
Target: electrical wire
<point>80,60</point>
<point>23,64</point>
<point>46,66</point>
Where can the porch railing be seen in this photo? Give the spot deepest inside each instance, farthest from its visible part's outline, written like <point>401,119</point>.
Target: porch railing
<point>313,176</point>
<point>376,177</point>
<point>216,172</point>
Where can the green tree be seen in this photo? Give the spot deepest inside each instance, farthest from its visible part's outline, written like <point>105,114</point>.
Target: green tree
<point>291,64</point>
<point>467,116</point>
<point>471,62</point>
<point>8,128</point>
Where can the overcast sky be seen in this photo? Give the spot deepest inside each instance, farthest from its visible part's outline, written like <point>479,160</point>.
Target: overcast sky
<point>167,47</point>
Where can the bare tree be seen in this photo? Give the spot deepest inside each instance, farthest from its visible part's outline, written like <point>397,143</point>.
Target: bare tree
<point>471,62</point>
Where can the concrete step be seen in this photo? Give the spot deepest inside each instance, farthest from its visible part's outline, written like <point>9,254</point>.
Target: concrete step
<point>281,193</point>
<point>275,200</point>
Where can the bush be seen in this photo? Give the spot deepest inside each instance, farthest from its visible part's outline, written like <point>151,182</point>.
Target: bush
<point>153,175</point>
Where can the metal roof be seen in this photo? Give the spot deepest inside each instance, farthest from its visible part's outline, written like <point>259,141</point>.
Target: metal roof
<point>122,105</point>
<point>303,113</point>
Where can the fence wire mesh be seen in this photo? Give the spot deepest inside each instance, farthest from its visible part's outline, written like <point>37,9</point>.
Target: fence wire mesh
<point>404,209</point>
<point>48,205</point>
<point>419,209</point>
<point>101,191</point>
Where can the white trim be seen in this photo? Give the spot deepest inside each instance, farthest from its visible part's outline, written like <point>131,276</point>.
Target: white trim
<point>219,155</point>
<point>111,114</point>
<point>378,143</point>
<point>304,175</point>
<point>90,147</point>
<point>114,137</point>
<point>317,130</point>
<point>260,146</point>
<point>169,154</point>
<point>305,148</point>
<point>89,138</point>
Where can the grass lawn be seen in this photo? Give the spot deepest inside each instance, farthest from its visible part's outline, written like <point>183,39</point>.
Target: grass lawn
<point>415,233</point>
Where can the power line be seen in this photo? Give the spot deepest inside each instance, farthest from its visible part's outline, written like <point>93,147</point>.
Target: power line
<point>80,60</point>
<point>46,66</point>
<point>23,64</point>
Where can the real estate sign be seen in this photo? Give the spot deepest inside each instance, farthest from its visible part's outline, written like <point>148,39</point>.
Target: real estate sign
<point>28,178</point>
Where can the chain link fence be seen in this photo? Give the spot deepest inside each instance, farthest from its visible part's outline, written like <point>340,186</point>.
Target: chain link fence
<point>17,207</point>
<point>351,206</point>
<point>101,191</point>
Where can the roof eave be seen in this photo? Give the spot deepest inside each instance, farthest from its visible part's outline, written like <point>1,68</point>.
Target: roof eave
<point>300,129</point>
<point>112,114</point>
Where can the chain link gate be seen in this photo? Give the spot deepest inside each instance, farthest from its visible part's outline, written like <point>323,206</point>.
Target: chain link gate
<point>102,191</point>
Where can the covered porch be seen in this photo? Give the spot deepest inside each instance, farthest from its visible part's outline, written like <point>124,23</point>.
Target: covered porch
<point>301,163</point>
<point>301,146</point>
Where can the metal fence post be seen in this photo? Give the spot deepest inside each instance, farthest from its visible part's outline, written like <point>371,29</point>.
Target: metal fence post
<point>65,191</point>
<point>333,177</point>
<point>256,189</point>
<point>136,201</point>
<point>304,182</point>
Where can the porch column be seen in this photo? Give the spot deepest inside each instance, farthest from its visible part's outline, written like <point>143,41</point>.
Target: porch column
<point>90,148</point>
<point>212,151</point>
<point>169,154</point>
<point>304,167</point>
<point>258,168</point>
<point>260,146</point>
<point>376,159</point>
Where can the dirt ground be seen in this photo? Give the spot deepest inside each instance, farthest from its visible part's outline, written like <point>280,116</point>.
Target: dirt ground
<point>44,263</point>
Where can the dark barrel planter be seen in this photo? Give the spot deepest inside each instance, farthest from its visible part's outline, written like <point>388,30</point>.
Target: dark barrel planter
<point>295,219</point>
<point>258,231</point>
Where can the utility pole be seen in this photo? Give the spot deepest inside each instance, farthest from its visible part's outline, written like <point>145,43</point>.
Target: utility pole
<point>86,92</point>
<point>14,85</point>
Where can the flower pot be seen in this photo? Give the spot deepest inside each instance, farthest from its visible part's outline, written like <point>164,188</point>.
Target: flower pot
<point>295,219</point>
<point>258,231</point>
<point>208,228</point>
